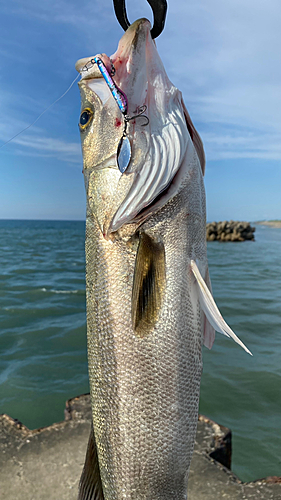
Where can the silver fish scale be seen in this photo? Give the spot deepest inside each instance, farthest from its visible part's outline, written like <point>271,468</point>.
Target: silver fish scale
<point>145,391</point>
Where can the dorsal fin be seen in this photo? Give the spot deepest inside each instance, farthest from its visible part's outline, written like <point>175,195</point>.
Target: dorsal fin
<point>90,486</point>
<point>149,284</point>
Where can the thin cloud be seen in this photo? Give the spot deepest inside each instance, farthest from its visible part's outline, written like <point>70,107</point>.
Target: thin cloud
<point>64,12</point>
<point>37,143</point>
<point>48,146</point>
<point>249,145</point>
<point>224,56</point>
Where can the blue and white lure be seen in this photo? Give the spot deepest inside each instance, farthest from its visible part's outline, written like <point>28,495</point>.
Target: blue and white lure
<point>118,95</point>
<point>124,150</point>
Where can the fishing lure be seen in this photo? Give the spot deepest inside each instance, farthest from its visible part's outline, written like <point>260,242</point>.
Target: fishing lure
<point>124,149</point>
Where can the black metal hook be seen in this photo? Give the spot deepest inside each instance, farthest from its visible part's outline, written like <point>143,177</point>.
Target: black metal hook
<point>159,9</point>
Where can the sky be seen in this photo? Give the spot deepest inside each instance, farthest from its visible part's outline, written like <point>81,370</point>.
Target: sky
<point>223,55</point>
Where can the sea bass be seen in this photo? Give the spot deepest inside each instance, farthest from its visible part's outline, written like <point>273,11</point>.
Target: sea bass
<point>149,302</point>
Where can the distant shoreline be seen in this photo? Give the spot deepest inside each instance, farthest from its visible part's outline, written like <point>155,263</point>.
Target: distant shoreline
<point>270,223</point>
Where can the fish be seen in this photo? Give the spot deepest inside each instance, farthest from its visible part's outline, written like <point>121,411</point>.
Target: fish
<point>150,307</point>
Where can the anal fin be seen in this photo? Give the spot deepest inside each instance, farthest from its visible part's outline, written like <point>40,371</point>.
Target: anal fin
<point>90,486</point>
<point>211,310</point>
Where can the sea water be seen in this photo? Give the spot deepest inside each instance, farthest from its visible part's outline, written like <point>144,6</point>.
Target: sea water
<point>43,335</point>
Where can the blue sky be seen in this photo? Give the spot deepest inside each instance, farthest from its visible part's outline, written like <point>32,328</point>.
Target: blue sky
<point>223,55</point>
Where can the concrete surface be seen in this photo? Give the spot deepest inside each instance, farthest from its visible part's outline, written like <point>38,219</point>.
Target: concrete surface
<point>45,464</point>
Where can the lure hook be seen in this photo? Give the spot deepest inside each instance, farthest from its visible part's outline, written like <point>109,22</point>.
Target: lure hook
<point>159,9</point>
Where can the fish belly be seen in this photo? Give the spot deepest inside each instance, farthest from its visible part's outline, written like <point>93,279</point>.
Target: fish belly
<point>145,390</point>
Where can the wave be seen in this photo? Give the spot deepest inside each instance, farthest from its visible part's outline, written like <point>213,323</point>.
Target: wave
<point>58,291</point>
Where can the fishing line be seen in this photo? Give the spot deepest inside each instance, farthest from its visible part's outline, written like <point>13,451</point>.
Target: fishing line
<point>41,114</point>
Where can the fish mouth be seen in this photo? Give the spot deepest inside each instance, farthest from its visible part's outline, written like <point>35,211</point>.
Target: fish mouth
<point>130,63</point>
<point>158,148</point>
<point>139,28</point>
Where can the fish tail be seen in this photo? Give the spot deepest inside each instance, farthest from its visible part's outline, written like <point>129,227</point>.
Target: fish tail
<point>90,486</point>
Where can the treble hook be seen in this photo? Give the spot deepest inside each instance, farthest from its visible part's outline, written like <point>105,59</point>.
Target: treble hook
<point>159,9</point>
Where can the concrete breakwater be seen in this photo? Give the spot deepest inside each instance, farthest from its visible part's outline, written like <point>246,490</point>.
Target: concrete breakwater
<point>230,231</point>
<point>46,463</point>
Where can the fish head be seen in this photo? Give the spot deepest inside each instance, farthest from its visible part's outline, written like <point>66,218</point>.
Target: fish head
<point>158,141</point>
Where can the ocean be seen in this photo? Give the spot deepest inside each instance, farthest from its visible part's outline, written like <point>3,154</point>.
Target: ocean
<point>43,335</point>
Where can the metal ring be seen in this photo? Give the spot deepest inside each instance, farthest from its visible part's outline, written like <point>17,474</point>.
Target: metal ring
<point>159,9</point>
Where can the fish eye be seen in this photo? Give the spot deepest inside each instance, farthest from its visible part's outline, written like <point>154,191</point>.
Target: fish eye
<point>85,118</point>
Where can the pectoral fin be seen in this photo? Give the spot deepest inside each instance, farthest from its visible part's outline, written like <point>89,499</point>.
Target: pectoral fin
<point>210,309</point>
<point>148,285</point>
<point>90,486</point>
